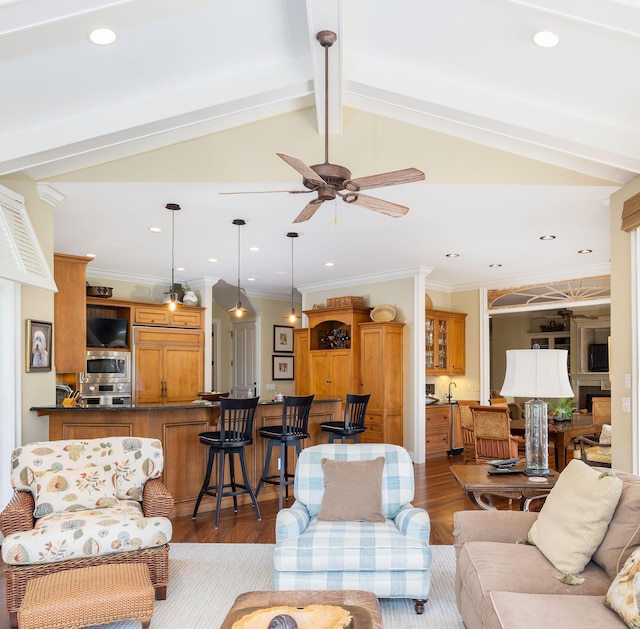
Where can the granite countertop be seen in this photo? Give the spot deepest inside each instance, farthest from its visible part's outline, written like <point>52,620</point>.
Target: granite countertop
<point>157,407</point>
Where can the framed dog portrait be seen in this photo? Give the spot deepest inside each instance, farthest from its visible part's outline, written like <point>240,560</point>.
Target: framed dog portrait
<point>39,348</point>
<point>282,338</point>
<point>282,368</point>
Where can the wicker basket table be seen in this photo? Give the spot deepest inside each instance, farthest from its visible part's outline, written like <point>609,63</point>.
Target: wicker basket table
<point>80,597</point>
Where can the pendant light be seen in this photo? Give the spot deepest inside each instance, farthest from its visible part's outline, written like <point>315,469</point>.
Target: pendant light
<point>292,316</point>
<point>173,297</point>
<point>238,310</point>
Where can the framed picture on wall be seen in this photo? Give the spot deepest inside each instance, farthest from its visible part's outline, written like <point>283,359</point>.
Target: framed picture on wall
<point>282,368</point>
<point>39,348</point>
<point>282,338</point>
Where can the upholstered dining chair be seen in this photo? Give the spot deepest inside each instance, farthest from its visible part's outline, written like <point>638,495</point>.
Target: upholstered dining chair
<point>601,410</point>
<point>595,453</point>
<point>85,503</point>
<point>292,430</point>
<point>466,425</point>
<point>234,435</point>
<point>491,433</point>
<point>355,411</point>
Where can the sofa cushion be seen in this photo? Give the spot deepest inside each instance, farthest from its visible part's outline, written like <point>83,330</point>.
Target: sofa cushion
<point>623,534</point>
<point>522,611</point>
<point>485,567</point>
<point>88,533</point>
<point>574,518</point>
<point>351,546</point>
<point>352,490</point>
<point>622,596</point>
<point>91,487</point>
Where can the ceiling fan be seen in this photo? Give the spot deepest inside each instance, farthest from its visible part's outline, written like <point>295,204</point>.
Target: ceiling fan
<point>331,180</point>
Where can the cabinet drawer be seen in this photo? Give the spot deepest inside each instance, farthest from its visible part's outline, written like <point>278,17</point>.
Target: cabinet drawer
<point>437,441</point>
<point>161,336</point>
<point>186,318</point>
<point>437,417</point>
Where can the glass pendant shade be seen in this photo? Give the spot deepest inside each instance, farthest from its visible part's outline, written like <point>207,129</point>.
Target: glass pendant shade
<point>292,316</point>
<point>536,373</point>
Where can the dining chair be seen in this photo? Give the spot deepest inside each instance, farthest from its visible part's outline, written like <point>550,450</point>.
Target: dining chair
<point>292,430</point>
<point>466,425</point>
<point>353,423</point>
<point>491,433</point>
<point>234,435</point>
<point>601,410</point>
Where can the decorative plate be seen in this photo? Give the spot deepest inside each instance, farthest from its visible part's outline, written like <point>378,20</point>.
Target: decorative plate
<point>382,314</point>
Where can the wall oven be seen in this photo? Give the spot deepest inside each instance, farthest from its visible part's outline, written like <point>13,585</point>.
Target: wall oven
<point>106,380</point>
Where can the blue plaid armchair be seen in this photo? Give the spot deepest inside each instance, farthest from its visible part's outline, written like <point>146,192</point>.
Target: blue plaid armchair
<point>392,559</point>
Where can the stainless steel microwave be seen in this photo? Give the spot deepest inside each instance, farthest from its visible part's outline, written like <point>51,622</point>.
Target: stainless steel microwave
<point>107,367</point>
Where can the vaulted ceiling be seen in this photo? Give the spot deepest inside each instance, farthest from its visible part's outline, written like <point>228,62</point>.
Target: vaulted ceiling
<point>197,97</point>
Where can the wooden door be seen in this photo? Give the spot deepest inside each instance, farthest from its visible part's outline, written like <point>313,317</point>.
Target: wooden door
<point>244,357</point>
<point>182,373</point>
<point>149,374</point>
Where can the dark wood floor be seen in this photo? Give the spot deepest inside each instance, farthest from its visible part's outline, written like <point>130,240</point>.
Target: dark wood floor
<point>436,491</point>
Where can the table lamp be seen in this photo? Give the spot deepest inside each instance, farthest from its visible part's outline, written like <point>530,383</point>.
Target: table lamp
<point>536,373</point>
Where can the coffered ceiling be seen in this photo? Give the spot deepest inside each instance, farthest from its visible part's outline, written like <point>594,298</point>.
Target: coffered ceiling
<point>196,97</point>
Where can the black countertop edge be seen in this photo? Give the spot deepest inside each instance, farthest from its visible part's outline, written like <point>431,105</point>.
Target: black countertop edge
<point>181,407</point>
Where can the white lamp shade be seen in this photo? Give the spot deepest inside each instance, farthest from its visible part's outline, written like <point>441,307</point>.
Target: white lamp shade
<point>537,373</point>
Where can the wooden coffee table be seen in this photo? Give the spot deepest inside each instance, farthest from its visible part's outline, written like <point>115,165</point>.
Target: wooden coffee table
<point>363,606</point>
<point>479,485</point>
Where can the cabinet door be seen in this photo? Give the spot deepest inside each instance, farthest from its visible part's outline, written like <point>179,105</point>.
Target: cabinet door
<point>340,375</point>
<point>319,374</point>
<point>371,371</point>
<point>182,373</point>
<point>187,318</point>
<point>149,375</point>
<point>301,373</point>
<point>457,346</point>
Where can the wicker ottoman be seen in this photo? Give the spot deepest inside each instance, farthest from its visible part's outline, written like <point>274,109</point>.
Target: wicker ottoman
<point>80,597</point>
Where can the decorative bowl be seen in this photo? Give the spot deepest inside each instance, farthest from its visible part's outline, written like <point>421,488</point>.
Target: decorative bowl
<point>214,396</point>
<point>382,314</point>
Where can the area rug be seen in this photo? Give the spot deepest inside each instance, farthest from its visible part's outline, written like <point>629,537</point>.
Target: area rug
<point>204,580</point>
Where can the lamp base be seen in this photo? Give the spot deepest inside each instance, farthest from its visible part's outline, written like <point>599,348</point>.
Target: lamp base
<point>538,472</point>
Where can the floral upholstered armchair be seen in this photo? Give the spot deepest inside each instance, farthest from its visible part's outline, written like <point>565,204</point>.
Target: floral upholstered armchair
<point>83,503</point>
<point>352,525</point>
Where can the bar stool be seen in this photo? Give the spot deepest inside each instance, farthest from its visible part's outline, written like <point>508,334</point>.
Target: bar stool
<point>295,420</point>
<point>353,423</point>
<point>236,425</point>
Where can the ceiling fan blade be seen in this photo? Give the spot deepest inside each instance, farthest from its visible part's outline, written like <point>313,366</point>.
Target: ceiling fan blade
<point>302,168</point>
<point>378,205</point>
<point>267,191</point>
<point>309,211</point>
<point>395,178</point>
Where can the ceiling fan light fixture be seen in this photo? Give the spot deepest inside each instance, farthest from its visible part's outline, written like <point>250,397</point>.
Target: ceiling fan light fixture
<point>238,310</point>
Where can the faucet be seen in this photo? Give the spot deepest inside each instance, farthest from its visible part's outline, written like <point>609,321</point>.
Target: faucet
<point>449,396</point>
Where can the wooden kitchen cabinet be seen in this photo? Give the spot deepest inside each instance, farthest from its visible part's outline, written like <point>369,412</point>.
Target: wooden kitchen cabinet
<point>331,351</point>
<point>381,358</point>
<point>69,315</point>
<point>445,343</point>
<point>181,317</point>
<point>438,430</point>
<point>168,365</point>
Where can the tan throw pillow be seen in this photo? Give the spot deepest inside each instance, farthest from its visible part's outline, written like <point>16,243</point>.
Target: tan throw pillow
<point>75,490</point>
<point>575,516</point>
<point>352,491</point>
<point>622,596</point>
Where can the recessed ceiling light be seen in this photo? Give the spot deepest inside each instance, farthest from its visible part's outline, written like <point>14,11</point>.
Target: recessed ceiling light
<point>452,255</point>
<point>180,268</point>
<point>547,237</point>
<point>90,255</point>
<point>251,279</point>
<point>328,263</point>
<point>102,36</point>
<point>155,230</point>
<point>585,250</point>
<point>254,248</point>
<point>494,266</point>
<point>212,260</point>
<point>546,39</point>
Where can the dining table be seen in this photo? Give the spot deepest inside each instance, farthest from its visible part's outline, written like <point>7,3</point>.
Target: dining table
<point>561,434</point>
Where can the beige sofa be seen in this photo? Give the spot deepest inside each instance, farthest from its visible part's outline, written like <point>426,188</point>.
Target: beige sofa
<point>501,583</point>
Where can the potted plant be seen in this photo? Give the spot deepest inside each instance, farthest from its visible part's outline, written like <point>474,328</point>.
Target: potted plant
<point>562,410</point>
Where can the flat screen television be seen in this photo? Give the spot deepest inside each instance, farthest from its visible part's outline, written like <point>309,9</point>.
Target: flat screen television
<point>102,332</point>
<point>599,357</point>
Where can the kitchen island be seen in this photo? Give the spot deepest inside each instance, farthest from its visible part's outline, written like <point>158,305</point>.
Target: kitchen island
<point>177,427</point>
